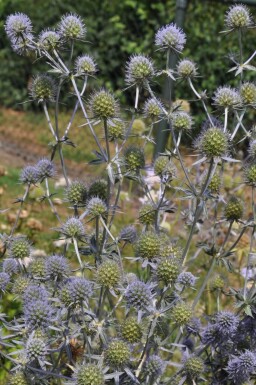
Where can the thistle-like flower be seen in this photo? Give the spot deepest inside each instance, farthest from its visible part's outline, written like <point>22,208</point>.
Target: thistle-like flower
<point>134,159</point>
<point>213,142</point>
<point>85,65</point>
<point>227,97</point>
<point>148,246</point>
<point>89,374</point>
<point>128,234</point>
<point>57,267</point>
<point>241,367</point>
<point>37,268</point>
<point>138,295</point>
<point>71,27</point>
<point>23,45</point>
<point>10,266</point>
<point>98,188</point>
<point>103,105</point>
<point>34,292</point>
<point>108,274</point>
<point>45,169</point>
<point>38,314</point>
<point>170,37</point>
<point>19,248</point>
<point>250,174</point>
<point>49,40</point>
<point>116,129</point>
<point>164,167</point>
<point>76,193</point>
<point>4,280</point>
<point>168,270</point>
<point>43,88</point>
<point>96,207</point>
<point>193,367</point>
<point>139,69</point>
<point>147,214</point>
<point>80,289</point>
<point>18,378</point>
<point>73,228</point>
<point>131,330</point>
<point>234,209</point>
<point>18,25</point>
<point>226,323</point>
<point>186,279</point>
<point>181,314</point>
<point>248,93</point>
<point>21,283</point>
<point>35,350</point>
<point>117,355</point>
<point>153,108</point>
<point>181,121</point>
<point>238,16</point>
<point>154,367</point>
<point>215,184</point>
<point>186,68</point>
<point>29,175</point>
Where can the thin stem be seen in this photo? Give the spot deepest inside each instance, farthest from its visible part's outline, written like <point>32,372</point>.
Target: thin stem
<point>49,121</point>
<point>20,209</point>
<point>77,252</point>
<point>48,195</point>
<point>202,100</point>
<point>200,292</point>
<point>251,246</point>
<point>225,119</point>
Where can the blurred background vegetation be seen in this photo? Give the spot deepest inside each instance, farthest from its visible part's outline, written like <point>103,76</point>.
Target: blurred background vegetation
<point>117,29</point>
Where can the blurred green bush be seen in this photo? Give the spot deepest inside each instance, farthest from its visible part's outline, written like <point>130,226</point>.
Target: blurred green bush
<point>116,29</point>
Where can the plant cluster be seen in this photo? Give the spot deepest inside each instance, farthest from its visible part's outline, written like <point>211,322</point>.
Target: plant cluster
<point>122,305</point>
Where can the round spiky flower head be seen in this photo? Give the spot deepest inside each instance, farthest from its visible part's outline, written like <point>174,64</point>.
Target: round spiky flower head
<point>20,248</point>
<point>45,169</point>
<point>217,283</point>
<point>73,228</point>
<point>214,185</point>
<point>250,174</point>
<point>147,214</point>
<point>187,279</point>
<point>57,267</point>
<point>116,129</point>
<point>18,25</point>
<point>85,65</point>
<point>118,354</point>
<point>241,367</point>
<point>226,323</point>
<point>35,349</point>
<point>213,142</point>
<point>43,88</point>
<point>168,270</point>
<point>181,314</point>
<point>89,374</point>
<point>98,188</point>
<point>193,367</point>
<point>18,378</point>
<point>181,121</point>
<point>37,267</point>
<point>21,283</point>
<point>164,167</point>
<point>10,266</point>
<point>71,27</point>
<point>134,159</point>
<point>131,330</point>
<point>96,207</point>
<point>80,289</point>
<point>38,314</point>
<point>248,93</point>
<point>103,105</point>
<point>29,175</point>
<point>4,280</point>
<point>227,97</point>
<point>34,292</point>
<point>170,37</point>
<point>186,68</point>
<point>139,69</point>
<point>234,209</point>
<point>138,295</point>
<point>152,108</point>
<point>49,40</point>
<point>76,193</point>
<point>148,246</point>
<point>128,234</point>
<point>154,367</point>
<point>108,274</point>
<point>238,16</point>
<point>23,45</point>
